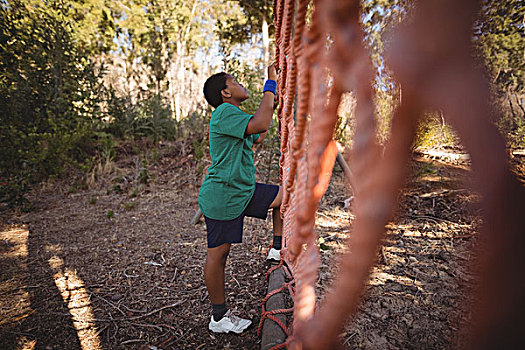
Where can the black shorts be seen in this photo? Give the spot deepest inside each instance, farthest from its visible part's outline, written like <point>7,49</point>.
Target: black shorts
<point>230,231</point>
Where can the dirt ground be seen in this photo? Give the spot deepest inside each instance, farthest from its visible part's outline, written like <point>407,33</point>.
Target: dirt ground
<point>116,264</point>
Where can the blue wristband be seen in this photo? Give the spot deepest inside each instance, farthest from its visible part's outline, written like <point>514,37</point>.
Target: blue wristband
<point>270,85</point>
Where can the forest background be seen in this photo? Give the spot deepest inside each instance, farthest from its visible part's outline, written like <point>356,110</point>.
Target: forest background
<point>80,79</point>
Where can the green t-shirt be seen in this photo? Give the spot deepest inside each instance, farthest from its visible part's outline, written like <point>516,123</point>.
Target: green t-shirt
<point>230,183</point>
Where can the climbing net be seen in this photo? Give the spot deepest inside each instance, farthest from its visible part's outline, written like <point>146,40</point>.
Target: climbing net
<point>325,58</point>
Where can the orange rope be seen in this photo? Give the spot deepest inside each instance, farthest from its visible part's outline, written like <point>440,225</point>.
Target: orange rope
<point>271,314</point>
<point>433,64</point>
<point>307,154</point>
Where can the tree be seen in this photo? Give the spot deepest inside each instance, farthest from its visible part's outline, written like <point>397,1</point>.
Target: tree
<point>46,100</point>
<point>161,35</point>
<point>500,38</point>
<point>91,22</point>
<point>255,18</point>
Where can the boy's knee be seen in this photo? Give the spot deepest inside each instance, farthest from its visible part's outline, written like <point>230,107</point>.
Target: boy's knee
<point>217,261</point>
<point>218,256</point>
<point>276,204</point>
<point>222,259</point>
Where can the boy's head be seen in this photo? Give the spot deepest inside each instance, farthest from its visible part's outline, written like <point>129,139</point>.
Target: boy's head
<point>222,87</point>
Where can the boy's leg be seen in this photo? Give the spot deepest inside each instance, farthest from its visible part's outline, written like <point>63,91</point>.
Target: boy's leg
<point>222,320</point>
<point>264,198</point>
<point>214,272</point>
<point>278,199</point>
<point>276,215</point>
<point>277,225</point>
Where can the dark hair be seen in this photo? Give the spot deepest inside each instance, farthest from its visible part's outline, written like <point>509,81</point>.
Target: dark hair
<point>213,87</point>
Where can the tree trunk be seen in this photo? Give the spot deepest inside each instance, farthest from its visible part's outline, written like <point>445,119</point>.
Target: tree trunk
<point>181,62</point>
<point>171,90</point>
<point>180,81</point>
<point>520,105</point>
<point>266,41</point>
<point>165,62</point>
<point>513,113</point>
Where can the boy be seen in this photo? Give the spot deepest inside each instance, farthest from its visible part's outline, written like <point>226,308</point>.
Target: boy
<point>229,192</point>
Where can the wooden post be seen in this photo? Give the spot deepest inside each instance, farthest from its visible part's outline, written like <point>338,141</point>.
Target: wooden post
<point>346,169</point>
<point>196,217</point>
<point>272,334</point>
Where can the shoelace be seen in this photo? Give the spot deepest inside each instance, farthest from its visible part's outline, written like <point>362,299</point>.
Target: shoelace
<point>235,320</point>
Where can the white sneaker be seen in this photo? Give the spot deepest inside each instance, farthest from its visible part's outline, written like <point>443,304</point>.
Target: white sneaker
<point>274,255</point>
<point>229,323</point>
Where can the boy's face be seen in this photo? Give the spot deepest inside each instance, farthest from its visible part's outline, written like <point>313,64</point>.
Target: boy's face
<point>235,90</point>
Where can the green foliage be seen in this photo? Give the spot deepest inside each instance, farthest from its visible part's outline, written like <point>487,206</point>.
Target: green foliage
<point>155,156</point>
<point>110,214</point>
<point>90,21</point>
<point>106,145</point>
<point>142,176</point>
<point>521,135</point>
<point>195,128</point>
<point>47,108</point>
<point>385,102</point>
<point>378,17</point>
<point>158,32</point>
<point>434,132</point>
<point>153,118</point>
<point>501,44</point>
<point>149,117</point>
<point>57,114</point>
<point>198,149</point>
<point>194,125</point>
<point>237,26</point>
<point>501,40</point>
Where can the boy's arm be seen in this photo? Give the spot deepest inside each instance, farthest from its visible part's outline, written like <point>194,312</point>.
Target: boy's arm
<point>262,135</point>
<point>261,120</point>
